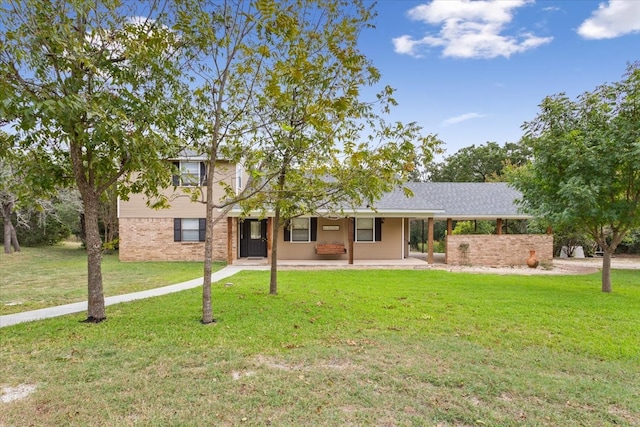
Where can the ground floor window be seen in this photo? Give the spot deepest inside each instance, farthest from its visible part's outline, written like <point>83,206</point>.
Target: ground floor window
<point>368,230</point>
<point>300,230</point>
<point>189,229</point>
<point>364,229</point>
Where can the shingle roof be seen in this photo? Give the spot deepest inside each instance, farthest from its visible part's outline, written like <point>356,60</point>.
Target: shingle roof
<point>456,200</point>
<point>442,200</point>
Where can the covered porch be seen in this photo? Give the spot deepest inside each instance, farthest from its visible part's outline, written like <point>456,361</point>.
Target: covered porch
<point>381,235</point>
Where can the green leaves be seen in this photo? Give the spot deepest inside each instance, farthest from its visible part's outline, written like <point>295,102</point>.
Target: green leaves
<point>586,168</point>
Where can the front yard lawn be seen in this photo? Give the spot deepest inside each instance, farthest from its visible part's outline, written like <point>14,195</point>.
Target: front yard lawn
<point>55,275</point>
<point>336,348</point>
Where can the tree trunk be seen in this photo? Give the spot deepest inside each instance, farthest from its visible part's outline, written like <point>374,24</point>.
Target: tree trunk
<point>273,282</point>
<point>7,230</point>
<point>207,306</point>
<point>14,239</point>
<point>7,237</point>
<point>10,237</point>
<point>109,215</point>
<point>91,207</point>
<point>96,308</point>
<point>608,248</point>
<point>606,270</point>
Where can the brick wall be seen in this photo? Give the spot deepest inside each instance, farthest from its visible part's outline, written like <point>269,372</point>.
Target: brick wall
<point>151,239</point>
<point>498,250</point>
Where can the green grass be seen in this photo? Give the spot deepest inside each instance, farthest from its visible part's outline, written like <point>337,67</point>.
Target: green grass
<point>54,275</point>
<point>386,348</point>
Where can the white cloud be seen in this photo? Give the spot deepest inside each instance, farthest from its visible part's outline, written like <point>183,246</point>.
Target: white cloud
<point>613,19</point>
<point>462,118</point>
<point>469,29</point>
<point>404,44</point>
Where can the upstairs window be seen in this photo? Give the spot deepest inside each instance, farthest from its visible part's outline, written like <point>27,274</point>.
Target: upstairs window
<point>191,174</point>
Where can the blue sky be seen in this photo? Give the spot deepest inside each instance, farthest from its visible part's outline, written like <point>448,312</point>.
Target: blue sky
<point>475,71</point>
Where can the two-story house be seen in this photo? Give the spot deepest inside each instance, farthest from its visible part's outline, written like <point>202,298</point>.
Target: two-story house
<point>177,234</point>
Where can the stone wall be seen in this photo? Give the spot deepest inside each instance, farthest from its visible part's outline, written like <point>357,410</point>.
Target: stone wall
<point>151,239</point>
<point>498,250</point>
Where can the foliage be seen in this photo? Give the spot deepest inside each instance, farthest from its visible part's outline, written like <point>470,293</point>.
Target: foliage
<point>38,216</point>
<point>418,235</point>
<point>228,61</point>
<point>585,172</point>
<point>479,164</point>
<point>571,238</point>
<point>38,229</point>
<point>93,95</point>
<point>111,245</point>
<point>349,347</point>
<point>327,148</point>
<point>631,242</point>
<point>474,227</point>
<point>14,191</point>
<point>277,90</point>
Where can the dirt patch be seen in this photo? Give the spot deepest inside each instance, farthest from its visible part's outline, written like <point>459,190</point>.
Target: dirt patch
<point>559,266</point>
<point>331,365</point>
<point>9,394</point>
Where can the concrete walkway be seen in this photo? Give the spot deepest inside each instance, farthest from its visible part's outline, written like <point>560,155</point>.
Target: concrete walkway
<point>230,270</point>
<point>78,307</point>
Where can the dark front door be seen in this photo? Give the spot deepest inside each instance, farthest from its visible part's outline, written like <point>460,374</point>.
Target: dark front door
<point>253,238</point>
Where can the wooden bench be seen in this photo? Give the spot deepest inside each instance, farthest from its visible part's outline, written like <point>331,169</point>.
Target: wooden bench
<point>330,249</point>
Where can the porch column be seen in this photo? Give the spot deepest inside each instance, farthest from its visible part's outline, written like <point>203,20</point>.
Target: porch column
<point>230,256</point>
<point>449,233</point>
<point>430,239</point>
<point>269,237</point>
<point>350,238</point>
<point>404,241</point>
<point>499,226</point>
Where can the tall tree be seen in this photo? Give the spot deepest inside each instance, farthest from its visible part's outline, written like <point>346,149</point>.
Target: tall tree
<point>228,59</point>
<point>10,185</point>
<point>23,191</point>
<point>479,164</point>
<point>9,180</point>
<point>93,89</point>
<point>325,145</point>
<point>586,167</point>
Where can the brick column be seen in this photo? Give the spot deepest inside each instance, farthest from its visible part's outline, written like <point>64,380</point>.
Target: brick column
<point>230,255</point>
<point>449,233</point>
